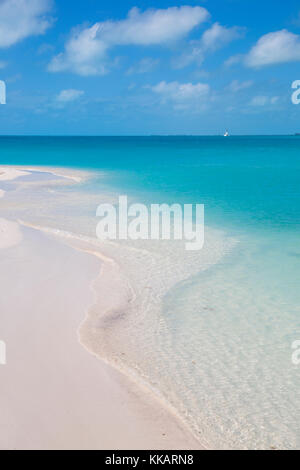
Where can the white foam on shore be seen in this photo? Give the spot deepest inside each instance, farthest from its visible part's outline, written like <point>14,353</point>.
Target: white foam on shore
<point>2,193</point>
<point>10,234</point>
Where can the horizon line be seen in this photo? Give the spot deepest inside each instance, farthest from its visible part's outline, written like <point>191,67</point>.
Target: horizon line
<point>150,135</point>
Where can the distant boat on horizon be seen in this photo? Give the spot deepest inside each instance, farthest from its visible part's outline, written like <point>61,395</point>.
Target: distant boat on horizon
<point>226,134</point>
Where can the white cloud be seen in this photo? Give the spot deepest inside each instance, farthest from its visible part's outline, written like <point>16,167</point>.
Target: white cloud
<point>183,95</point>
<point>264,100</point>
<point>259,101</point>
<point>274,100</point>
<point>194,54</point>
<point>218,36</point>
<point>66,96</point>
<point>214,38</point>
<point>85,52</point>
<point>233,60</point>
<point>236,85</point>
<point>274,48</point>
<point>143,66</point>
<point>20,19</point>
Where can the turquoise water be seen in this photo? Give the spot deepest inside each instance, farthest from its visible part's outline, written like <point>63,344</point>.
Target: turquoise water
<point>222,350</point>
<point>246,181</point>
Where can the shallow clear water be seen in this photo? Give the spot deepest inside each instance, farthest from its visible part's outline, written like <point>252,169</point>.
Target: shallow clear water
<point>215,334</point>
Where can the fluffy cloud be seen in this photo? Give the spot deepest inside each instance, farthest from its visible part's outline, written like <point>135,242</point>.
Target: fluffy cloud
<point>66,96</point>
<point>214,38</point>
<point>264,100</point>
<point>143,66</point>
<point>218,36</point>
<point>85,52</point>
<point>236,85</point>
<point>233,60</point>
<point>22,18</point>
<point>183,95</point>
<point>274,48</point>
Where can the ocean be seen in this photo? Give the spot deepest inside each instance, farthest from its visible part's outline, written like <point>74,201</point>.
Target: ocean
<point>210,332</point>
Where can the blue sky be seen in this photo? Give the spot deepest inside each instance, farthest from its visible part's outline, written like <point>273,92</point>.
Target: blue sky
<point>140,68</point>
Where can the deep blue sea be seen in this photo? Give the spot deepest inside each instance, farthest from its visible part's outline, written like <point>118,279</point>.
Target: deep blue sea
<point>223,357</point>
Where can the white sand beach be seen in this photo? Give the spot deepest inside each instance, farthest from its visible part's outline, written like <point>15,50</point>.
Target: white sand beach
<point>10,234</point>
<point>54,394</point>
<point>9,174</point>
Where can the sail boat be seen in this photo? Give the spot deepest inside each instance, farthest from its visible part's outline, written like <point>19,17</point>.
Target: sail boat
<point>226,134</point>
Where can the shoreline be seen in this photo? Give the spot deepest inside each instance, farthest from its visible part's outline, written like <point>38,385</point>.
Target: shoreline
<point>212,334</point>
<point>12,172</point>
<point>171,420</point>
<point>83,245</point>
